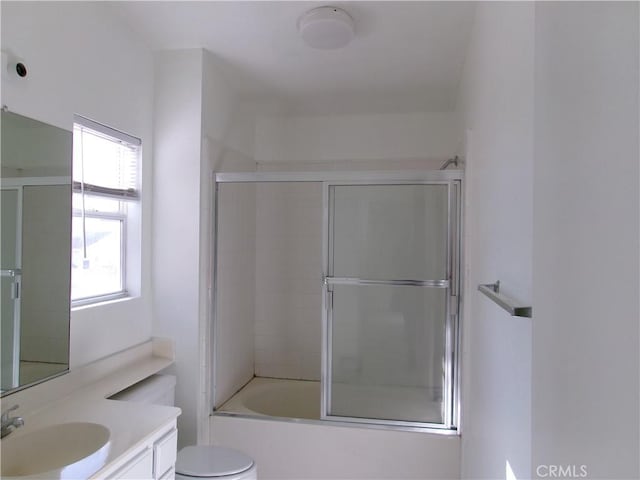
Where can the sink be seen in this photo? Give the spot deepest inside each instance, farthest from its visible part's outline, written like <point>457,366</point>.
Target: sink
<point>66,451</point>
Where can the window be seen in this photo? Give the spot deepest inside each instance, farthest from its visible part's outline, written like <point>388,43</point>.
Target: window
<point>105,209</point>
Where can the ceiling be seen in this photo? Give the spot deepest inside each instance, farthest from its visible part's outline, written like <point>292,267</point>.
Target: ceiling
<point>406,57</point>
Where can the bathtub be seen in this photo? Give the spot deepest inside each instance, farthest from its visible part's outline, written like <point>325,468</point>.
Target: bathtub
<point>276,398</point>
<point>277,423</point>
<point>300,399</point>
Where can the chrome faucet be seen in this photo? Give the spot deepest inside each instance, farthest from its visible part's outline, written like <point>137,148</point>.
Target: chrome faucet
<point>9,424</point>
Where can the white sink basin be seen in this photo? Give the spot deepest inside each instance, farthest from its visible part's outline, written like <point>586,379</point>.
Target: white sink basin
<point>66,450</point>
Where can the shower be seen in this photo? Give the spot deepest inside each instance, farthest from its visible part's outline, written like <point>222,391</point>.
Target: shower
<point>339,291</point>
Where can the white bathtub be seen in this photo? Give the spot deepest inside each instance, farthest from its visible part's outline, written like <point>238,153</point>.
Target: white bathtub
<point>277,398</point>
<point>277,423</point>
<point>300,399</point>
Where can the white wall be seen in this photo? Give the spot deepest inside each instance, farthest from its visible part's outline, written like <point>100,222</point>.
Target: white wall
<point>229,147</point>
<point>496,106</point>
<point>176,220</point>
<point>586,257</point>
<point>283,138</point>
<point>550,96</point>
<point>194,108</point>
<point>82,59</point>
<point>288,322</point>
<point>236,289</point>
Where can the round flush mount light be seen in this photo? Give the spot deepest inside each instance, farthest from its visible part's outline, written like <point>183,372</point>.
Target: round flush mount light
<point>326,28</point>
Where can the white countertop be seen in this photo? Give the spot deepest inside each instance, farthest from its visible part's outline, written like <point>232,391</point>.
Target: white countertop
<point>131,424</point>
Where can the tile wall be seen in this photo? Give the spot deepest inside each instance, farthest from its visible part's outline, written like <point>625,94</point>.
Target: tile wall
<point>288,302</point>
<point>236,289</point>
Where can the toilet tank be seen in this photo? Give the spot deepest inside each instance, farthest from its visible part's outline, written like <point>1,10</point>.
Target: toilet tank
<point>157,389</point>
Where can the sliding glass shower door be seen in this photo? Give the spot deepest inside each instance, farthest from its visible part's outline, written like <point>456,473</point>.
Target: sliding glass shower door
<point>391,294</point>
<point>10,246</point>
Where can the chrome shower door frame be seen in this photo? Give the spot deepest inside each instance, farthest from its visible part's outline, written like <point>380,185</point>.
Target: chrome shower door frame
<point>15,274</point>
<point>453,180</point>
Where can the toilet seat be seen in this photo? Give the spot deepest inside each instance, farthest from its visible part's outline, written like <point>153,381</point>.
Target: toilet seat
<point>209,461</point>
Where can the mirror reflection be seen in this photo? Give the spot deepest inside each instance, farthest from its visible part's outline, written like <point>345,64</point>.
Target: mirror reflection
<point>35,250</point>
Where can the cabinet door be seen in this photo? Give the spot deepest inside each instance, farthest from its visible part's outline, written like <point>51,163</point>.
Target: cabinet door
<point>169,475</point>
<point>165,450</point>
<point>138,468</point>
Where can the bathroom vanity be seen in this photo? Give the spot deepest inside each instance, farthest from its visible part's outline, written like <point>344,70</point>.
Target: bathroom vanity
<point>142,439</point>
<point>155,458</point>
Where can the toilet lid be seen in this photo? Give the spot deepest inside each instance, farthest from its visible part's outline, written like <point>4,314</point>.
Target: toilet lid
<point>209,461</point>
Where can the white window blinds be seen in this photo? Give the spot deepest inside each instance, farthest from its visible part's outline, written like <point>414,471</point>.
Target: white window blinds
<point>112,170</point>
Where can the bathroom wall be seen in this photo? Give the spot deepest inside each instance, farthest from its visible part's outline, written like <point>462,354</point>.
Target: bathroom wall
<point>93,78</point>
<point>552,206</point>
<point>195,110</point>
<point>228,146</point>
<point>301,139</point>
<point>496,110</point>
<point>268,315</point>
<point>586,364</point>
<point>288,322</point>
<point>236,289</point>
<point>176,218</point>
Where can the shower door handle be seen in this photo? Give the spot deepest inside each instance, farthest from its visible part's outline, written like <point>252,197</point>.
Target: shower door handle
<point>15,291</point>
<point>16,274</point>
<point>444,283</point>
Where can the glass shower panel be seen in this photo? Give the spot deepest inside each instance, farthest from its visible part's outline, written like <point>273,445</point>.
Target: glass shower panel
<point>9,374</point>
<point>388,353</point>
<point>389,232</point>
<point>10,315</point>
<point>389,344</point>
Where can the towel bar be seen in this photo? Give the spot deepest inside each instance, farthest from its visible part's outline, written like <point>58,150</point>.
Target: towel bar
<point>492,290</point>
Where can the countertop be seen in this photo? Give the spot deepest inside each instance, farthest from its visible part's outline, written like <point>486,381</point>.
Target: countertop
<point>131,424</point>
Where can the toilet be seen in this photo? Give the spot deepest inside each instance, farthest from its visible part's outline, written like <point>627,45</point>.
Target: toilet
<point>195,461</point>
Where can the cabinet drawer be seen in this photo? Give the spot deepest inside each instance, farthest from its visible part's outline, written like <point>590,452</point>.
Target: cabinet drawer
<point>139,467</point>
<point>165,452</point>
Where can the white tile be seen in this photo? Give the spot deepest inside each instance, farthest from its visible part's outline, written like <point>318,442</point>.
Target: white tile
<point>310,366</point>
<point>281,253</point>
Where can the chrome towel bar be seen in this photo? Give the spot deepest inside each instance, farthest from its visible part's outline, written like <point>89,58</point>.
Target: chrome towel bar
<point>492,290</point>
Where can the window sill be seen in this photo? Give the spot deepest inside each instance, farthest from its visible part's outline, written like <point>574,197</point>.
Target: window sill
<point>101,301</point>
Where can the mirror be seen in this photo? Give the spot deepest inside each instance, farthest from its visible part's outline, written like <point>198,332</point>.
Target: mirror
<point>35,242</point>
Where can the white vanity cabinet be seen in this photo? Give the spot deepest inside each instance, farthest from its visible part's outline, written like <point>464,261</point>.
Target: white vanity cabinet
<point>153,460</point>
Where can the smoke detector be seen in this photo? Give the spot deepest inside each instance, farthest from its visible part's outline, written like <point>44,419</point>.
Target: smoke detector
<point>326,28</point>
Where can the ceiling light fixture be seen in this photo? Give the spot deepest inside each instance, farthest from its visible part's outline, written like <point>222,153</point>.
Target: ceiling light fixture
<point>326,28</point>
